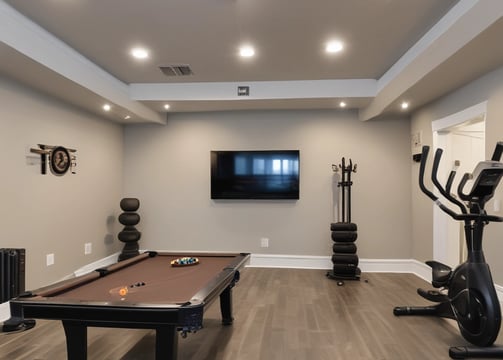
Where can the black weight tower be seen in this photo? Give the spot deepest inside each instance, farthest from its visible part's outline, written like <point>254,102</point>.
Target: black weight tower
<point>344,232</point>
<point>129,235</point>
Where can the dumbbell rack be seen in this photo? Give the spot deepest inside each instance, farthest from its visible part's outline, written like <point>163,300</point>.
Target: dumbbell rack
<point>344,233</point>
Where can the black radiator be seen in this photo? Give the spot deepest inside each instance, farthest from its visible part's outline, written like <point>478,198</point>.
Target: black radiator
<point>12,273</point>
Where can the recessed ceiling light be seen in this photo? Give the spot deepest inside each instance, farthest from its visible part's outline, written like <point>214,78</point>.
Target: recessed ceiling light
<point>404,105</point>
<point>166,106</point>
<point>342,104</point>
<point>334,46</point>
<point>246,51</point>
<point>127,117</point>
<point>106,107</point>
<point>139,53</point>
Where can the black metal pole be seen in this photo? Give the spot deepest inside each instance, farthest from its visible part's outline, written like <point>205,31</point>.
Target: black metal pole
<point>342,183</point>
<point>350,168</point>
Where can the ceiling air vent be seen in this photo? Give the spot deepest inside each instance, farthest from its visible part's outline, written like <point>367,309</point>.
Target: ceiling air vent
<point>176,70</point>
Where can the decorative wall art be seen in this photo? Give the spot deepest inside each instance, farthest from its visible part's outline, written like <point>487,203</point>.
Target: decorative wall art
<point>59,158</point>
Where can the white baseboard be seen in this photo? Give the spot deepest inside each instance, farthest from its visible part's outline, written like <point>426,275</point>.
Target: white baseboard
<point>109,260</point>
<point>396,266</point>
<point>4,311</point>
<point>289,261</point>
<point>325,262</point>
<point>295,262</point>
<point>499,291</point>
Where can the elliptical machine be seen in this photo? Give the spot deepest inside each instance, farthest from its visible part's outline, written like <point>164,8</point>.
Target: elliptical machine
<point>466,293</point>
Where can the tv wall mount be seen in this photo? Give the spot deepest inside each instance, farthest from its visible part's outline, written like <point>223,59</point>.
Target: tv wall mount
<point>59,158</point>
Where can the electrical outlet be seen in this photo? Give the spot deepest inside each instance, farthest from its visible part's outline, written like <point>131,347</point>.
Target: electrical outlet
<point>88,248</point>
<point>50,259</point>
<point>264,242</point>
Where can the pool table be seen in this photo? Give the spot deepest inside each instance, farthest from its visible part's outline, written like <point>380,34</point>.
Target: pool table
<point>144,292</point>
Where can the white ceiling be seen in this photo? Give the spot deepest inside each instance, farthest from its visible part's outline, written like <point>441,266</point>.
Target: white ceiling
<point>395,50</point>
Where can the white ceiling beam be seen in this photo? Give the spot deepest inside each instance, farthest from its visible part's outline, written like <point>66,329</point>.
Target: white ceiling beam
<point>259,90</point>
<point>459,26</point>
<point>31,40</point>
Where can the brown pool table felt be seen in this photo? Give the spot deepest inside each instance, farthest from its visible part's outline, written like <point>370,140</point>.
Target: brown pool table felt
<point>163,283</point>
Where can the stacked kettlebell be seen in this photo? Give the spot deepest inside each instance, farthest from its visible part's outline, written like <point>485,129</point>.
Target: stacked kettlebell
<point>344,233</point>
<point>129,235</point>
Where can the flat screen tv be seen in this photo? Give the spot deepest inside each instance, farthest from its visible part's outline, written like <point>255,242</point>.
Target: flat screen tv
<point>265,174</point>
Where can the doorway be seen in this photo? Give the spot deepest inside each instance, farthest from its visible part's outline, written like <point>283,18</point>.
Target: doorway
<point>462,136</point>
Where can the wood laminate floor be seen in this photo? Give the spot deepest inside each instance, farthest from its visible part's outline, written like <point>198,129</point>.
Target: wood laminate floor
<point>279,314</point>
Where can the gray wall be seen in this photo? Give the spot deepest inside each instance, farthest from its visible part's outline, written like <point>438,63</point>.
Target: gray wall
<point>50,214</point>
<point>487,88</point>
<point>168,168</point>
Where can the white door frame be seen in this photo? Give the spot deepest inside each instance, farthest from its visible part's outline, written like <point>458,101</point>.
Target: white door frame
<point>440,219</point>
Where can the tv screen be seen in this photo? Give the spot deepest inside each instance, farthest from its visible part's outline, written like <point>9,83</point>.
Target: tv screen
<point>271,174</point>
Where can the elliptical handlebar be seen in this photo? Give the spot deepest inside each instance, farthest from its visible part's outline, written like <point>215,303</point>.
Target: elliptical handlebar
<point>464,216</point>
<point>461,186</point>
<point>498,151</point>
<point>445,192</point>
<point>424,189</point>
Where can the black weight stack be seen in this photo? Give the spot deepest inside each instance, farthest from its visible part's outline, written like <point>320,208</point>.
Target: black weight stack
<point>344,233</point>
<point>129,235</point>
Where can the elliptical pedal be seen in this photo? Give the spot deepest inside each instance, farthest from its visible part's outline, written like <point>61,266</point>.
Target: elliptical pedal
<point>433,295</point>
<point>440,273</point>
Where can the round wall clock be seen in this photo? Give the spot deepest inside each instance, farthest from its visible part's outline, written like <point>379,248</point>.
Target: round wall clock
<point>60,160</point>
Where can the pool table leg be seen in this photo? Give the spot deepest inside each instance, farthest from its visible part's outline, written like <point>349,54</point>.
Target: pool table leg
<point>226,306</point>
<point>166,343</point>
<point>76,340</point>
